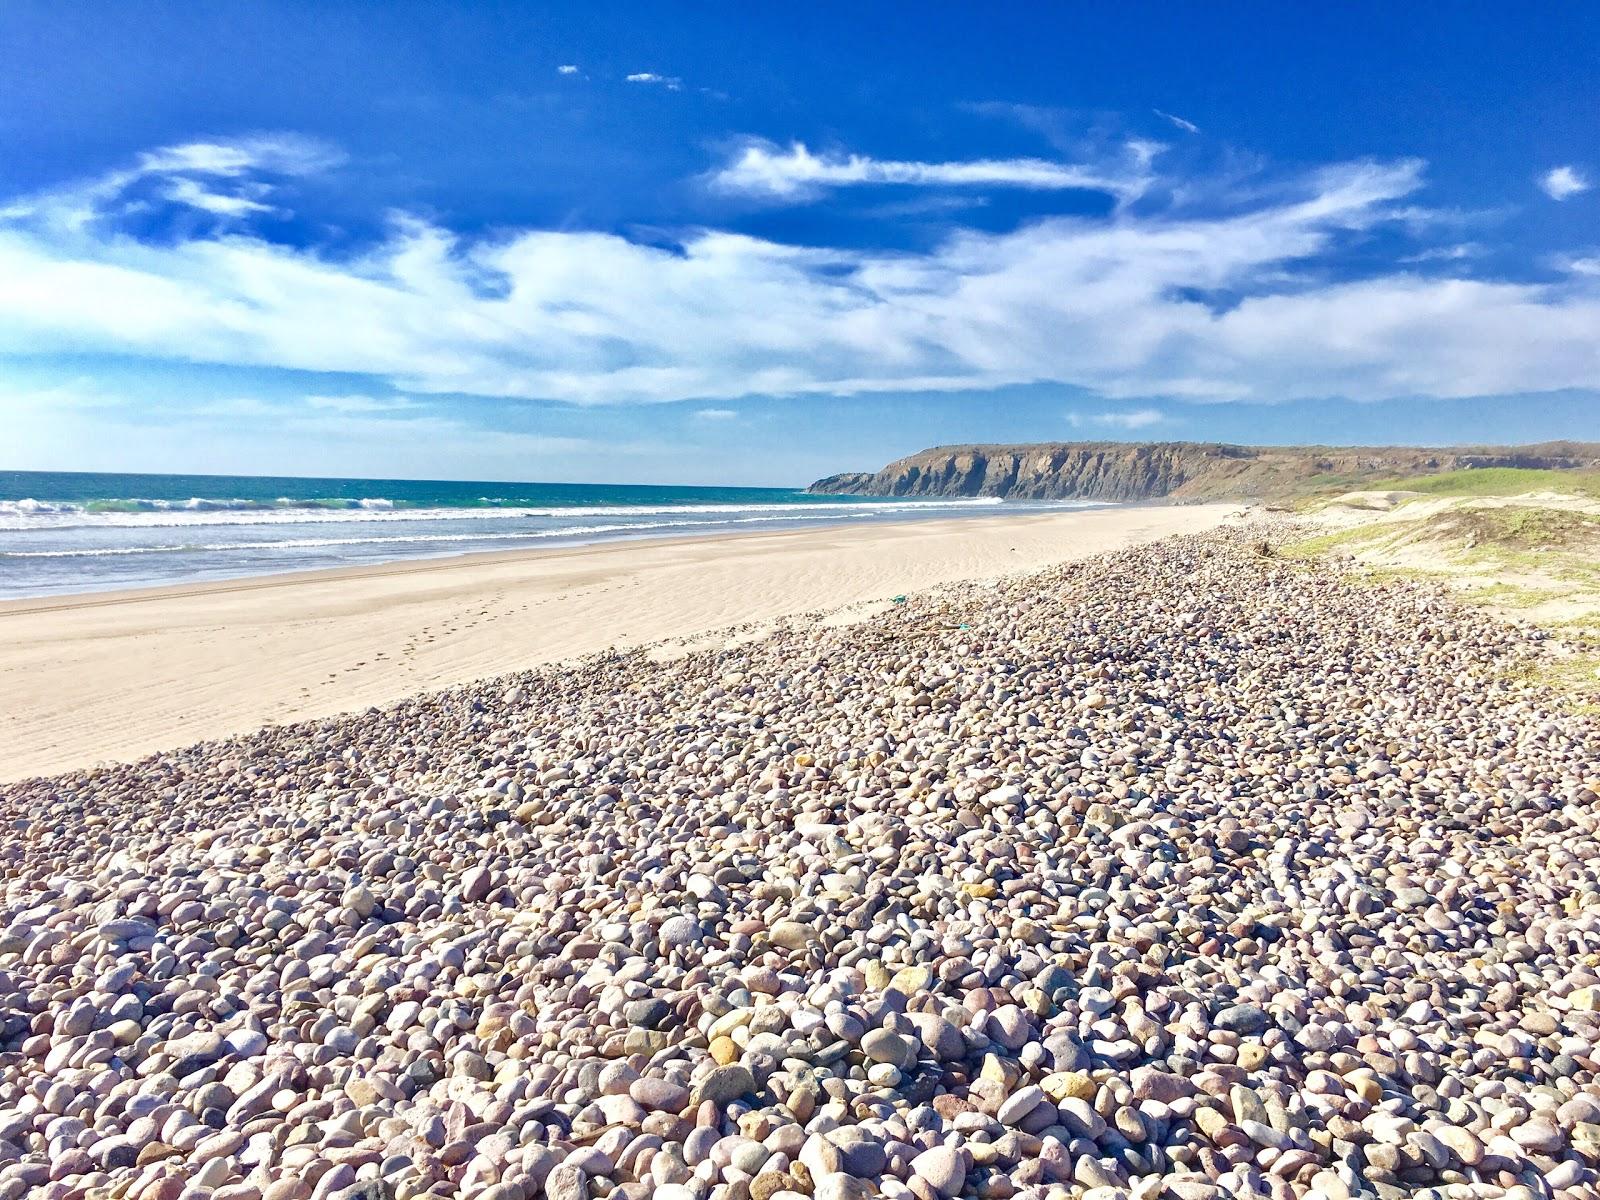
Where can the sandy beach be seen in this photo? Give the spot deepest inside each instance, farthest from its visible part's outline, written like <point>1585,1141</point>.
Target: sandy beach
<point>1180,872</point>
<point>117,675</point>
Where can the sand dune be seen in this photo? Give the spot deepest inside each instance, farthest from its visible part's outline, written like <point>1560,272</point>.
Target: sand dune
<point>115,676</point>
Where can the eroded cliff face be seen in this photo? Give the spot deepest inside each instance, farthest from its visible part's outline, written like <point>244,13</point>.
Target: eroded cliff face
<point>1176,470</point>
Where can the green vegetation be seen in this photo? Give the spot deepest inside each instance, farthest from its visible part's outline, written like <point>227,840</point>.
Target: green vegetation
<point>1502,597</point>
<point>1533,561</point>
<point>1506,557</point>
<point>1318,491</point>
<point>1574,677</point>
<point>1348,541</point>
<point>1330,482</point>
<point>1506,595</point>
<point>1494,481</point>
<point>1518,527</point>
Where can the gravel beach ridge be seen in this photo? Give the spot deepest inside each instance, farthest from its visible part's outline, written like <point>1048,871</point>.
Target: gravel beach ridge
<point>1183,871</point>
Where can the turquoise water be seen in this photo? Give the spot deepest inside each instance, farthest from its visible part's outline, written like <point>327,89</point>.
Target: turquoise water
<point>72,532</point>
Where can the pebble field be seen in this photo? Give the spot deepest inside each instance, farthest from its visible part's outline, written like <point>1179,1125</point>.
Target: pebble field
<point>1183,872</point>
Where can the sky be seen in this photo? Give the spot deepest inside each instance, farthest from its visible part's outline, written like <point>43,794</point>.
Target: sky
<point>757,244</point>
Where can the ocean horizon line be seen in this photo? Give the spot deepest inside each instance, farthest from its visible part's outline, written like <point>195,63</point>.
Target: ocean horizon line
<point>408,479</point>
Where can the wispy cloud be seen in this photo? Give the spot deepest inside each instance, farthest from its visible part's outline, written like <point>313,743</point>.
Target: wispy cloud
<point>194,175</point>
<point>278,153</point>
<point>567,69</point>
<point>1138,418</point>
<point>1562,183</point>
<point>1181,123</point>
<point>716,414</point>
<point>194,195</point>
<point>928,204</point>
<point>1455,253</point>
<point>360,403</point>
<point>671,82</point>
<point>1134,306</point>
<point>762,169</point>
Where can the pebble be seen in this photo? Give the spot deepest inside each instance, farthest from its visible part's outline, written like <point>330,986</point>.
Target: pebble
<point>880,1045</point>
<point>1243,1018</point>
<point>942,1168</point>
<point>725,1084</point>
<point>1019,1104</point>
<point>1184,872</point>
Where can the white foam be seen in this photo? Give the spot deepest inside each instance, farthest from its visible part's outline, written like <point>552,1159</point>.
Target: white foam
<point>400,539</point>
<point>165,514</point>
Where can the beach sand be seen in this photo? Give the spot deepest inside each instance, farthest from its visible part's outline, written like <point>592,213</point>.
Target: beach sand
<point>1166,873</point>
<point>117,675</point>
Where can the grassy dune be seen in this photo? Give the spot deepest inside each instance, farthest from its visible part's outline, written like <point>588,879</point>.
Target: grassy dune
<point>1522,543</point>
<point>1497,481</point>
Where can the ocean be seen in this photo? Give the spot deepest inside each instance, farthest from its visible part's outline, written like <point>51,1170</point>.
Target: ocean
<point>64,532</point>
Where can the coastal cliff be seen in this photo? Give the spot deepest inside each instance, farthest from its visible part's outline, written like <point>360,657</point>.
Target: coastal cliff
<point>1178,470</point>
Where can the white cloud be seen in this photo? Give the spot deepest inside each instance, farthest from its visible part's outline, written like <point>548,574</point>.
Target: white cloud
<point>1138,418</point>
<point>360,404</point>
<point>671,82</point>
<point>716,414</point>
<point>187,191</point>
<point>1455,253</point>
<point>1186,126</point>
<point>567,69</point>
<point>279,153</point>
<point>1563,182</point>
<point>1587,266</point>
<point>761,169</point>
<point>182,166</point>
<point>1115,305</point>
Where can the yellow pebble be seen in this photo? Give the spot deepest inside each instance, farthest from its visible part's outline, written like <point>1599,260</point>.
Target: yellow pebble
<point>911,980</point>
<point>1062,1085</point>
<point>1252,1055</point>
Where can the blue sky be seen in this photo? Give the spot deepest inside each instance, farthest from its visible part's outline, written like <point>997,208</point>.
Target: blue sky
<point>757,244</point>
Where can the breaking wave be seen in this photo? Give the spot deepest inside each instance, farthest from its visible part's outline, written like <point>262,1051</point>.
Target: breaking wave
<point>156,514</point>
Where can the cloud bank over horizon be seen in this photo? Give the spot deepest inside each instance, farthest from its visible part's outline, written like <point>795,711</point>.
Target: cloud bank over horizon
<point>1162,299</point>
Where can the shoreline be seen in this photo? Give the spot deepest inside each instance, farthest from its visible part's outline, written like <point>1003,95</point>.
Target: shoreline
<point>111,676</point>
<point>349,540</point>
<point>49,601</point>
